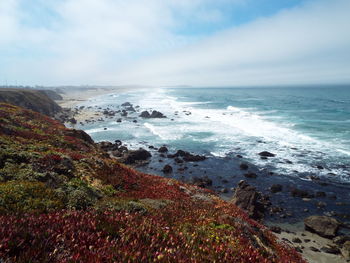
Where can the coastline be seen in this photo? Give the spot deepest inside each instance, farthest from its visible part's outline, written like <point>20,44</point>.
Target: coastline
<point>292,230</point>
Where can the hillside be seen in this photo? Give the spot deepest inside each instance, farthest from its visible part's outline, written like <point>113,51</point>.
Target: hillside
<point>63,199</point>
<point>35,100</point>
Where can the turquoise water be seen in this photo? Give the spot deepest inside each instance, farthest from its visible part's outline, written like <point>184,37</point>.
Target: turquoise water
<point>305,127</point>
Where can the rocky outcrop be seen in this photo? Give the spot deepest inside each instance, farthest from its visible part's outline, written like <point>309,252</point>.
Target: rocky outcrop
<point>187,157</point>
<point>80,135</point>
<point>135,156</point>
<point>34,100</point>
<point>267,154</point>
<point>324,226</point>
<point>247,198</point>
<point>154,114</point>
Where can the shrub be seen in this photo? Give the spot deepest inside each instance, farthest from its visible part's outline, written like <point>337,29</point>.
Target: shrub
<point>22,196</point>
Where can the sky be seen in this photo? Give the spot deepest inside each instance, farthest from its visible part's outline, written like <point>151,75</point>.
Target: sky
<point>174,42</point>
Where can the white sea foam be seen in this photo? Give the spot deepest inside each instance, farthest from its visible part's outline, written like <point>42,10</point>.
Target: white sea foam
<point>162,132</point>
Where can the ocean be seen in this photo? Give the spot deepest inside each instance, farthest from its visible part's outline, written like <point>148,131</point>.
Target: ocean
<point>308,128</point>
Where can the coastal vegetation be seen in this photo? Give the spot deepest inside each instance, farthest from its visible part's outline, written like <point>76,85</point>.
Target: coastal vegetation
<point>64,199</point>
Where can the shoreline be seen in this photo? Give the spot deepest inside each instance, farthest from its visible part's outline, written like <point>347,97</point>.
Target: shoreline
<point>294,230</point>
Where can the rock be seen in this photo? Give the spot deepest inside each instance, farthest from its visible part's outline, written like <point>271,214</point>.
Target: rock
<point>163,149</point>
<point>296,240</point>
<point>276,188</point>
<point>320,167</point>
<point>267,154</point>
<point>167,169</point>
<point>340,240</point>
<point>314,249</point>
<point>330,250</point>
<point>250,175</point>
<point>138,155</point>
<point>239,156</point>
<point>119,120</point>
<point>187,157</point>
<point>300,193</point>
<point>320,194</point>
<point>243,166</point>
<point>345,251</point>
<point>178,160</point>
<point>127,104</point>
<point>134,121</point>
<point>124,113</point>
<point>157,114</point>
<point>202,181</point>
<point>130,108</point>
<point>324,226</point>
<point>247,198</point>
<point>276,229</point>
<point>145,114</point>
<point>321,204</point>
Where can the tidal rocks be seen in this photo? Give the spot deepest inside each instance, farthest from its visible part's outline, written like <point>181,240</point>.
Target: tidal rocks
<point>167,169</point>
<point>267,154</point>
<point>251,175</point>
<point>275,188</point>
<point>202,181</point>
<point>295,192</point>
<point>145,114</point>
<point>138,155</point>
<point>243,166</point>
<point>247,198</point>
<point>163,149</point>
<point>154,114</point>
<point>322,225</point>
<point>187,157</point>
<point>127,104</point>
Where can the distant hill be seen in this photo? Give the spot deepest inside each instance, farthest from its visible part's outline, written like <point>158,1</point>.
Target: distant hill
<point>36,100</point>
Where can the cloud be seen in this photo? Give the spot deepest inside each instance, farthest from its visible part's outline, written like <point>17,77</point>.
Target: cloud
<point>309,44</point>
<point>145,42</point>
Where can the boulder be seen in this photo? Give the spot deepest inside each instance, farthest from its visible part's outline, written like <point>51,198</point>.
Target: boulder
<point>157,114</point>
<point>276,188</point>
<point>163,149</point>
<point>138,155</point>
<point>247,198</point>
<point>167,169</point>
<point>202,181</point>
<point>324,226</point>
<point>251,175</point>
<point>295,192</point>
<point>127,104</point>
<point>243,166</point>
<point>145,114</point>
<point>267,154</point>
<point>346,250</point>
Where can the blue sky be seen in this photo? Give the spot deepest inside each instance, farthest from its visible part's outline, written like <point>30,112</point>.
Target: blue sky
<point>170,42</point>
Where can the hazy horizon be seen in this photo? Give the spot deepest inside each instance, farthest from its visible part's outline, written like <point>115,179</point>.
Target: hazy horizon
<point>200,43</point>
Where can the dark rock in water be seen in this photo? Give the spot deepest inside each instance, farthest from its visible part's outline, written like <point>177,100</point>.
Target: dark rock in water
<point>127,104</point>
<point>324,226</point>
<point>131,109</point>
<point>321,194</point>
<point>134,121</point>
<point>145,114</point>
<point>167,169</point>
<point>178,160</point>
<point>187,157</point>
<point>267,154</point>
<point>247,198</point>
<point>138,155</point>
<point>72,121</point>
<point>300,193</point>
<point>157,114</point>
<point>163,149</point>
<point>250,175</point>
<point>320,167</point>
<point>276,229</point>
<point>239,156</point>
<point>330,250</point>
<point>276,188</point>
<point>119,120</point>
<point>243,166</point>
<point>104,128</point>
<point>202,181</point>
<point>124,113</point>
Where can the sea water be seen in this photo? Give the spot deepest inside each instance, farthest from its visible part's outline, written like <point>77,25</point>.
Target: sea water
<point>308,128</point>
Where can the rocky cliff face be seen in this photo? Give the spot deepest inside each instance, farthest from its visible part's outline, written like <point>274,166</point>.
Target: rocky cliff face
<point>35,100</point>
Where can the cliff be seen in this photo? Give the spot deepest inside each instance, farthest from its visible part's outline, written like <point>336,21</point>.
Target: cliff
<point>63,199</point>
<point>35,100</point>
